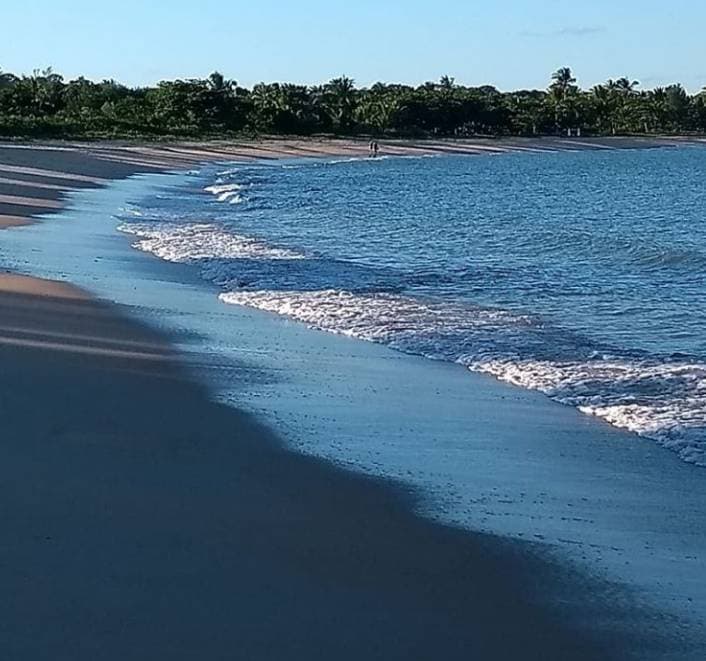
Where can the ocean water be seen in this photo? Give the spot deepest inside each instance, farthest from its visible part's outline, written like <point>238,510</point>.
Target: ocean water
<point>578,274</point>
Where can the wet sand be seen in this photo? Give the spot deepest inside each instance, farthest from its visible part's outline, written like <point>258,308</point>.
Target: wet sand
<point>141,520</point>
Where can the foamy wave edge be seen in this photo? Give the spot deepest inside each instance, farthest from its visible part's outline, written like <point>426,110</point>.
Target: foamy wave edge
<point>599,387</point>
<point>200,242</point>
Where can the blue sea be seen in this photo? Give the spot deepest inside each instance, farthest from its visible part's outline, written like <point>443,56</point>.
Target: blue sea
<point>581,275</point>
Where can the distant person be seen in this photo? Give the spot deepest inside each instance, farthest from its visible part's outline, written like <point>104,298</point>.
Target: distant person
<point>376,149</point>
<point>370,147</point>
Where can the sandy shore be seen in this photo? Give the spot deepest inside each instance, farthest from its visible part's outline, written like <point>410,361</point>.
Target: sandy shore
<point>141,520</point>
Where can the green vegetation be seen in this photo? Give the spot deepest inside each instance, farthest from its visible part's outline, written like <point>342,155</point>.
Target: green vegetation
<point>44,105</point>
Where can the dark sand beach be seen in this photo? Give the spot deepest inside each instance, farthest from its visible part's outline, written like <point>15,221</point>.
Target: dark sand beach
<point>142,520</point>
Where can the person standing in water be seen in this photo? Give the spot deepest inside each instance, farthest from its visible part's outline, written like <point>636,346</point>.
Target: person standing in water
<point>376,149</point>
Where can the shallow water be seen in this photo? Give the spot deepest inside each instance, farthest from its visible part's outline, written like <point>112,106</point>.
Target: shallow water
<point>579,274</point>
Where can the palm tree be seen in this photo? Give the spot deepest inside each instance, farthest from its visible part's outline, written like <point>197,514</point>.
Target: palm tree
<point>624,98</point>
<point>625,85</point>
<point>283,108</point>
<point>218,83</point>
<point>527,111</point>
<point>6,79</point>
<point>267,104</point>
<point>678,104</point>
<point>378,105</point>
<point>447,83</point>
<point>658,103</point>
<point>340,101</point>
<point>603,98</point>
<point>46,88</point>
<point>563,83</point>
<point>563,86</point>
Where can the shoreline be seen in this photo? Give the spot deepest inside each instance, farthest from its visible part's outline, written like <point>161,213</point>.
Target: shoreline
<point>448,580</point>
<point>197,534</point>
<point>27,192</point>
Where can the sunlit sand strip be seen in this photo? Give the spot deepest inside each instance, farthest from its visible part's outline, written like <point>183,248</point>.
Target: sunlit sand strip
<point>587,145</point>
<point>50,291</point>
<point>82,349</point>
<point>135,152</point>
<point>144,347</point>
<point>32,184</point>
<point>175,152</point>
<point>54,174</point>
<point>263,151</point>
<point>535,150</point>
<point>487,148</point>
<point>226,150</point>
<point>253,153</point>
<point>289,150</point>
<point>464,148</point>
<point>151,163</point>
<point>24,284</point>
<point>199,148</point>
<point>396,149</point>
<point>43,147</point>
<point>321,150</point>
<point>31,201</point>
<point>333,148</point>
<point>194,154</point>
<point>7,221</point>
<point>295,149</point>
<point>298,148</point>
<point>162,153</point>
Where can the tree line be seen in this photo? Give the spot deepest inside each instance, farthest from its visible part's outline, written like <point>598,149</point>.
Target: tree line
<point>45,105</point>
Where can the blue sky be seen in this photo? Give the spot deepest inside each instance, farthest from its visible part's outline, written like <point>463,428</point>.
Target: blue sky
<point>513,44</point>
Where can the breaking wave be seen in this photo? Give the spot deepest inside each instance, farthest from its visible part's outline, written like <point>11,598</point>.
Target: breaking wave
<point>665,401</point>
<point>200,241</point>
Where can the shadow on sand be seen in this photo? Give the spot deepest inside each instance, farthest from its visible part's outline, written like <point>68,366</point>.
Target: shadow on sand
<point>140,520</point>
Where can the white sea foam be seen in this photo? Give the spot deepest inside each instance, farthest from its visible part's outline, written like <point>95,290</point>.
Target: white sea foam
<point>324,162</point>
<point>665,401</point>
<point>232,197</point>
<point>217,189</point>
<point>358,159</point>
<point>227,192</point>
<point>200,241</point>
<point>132,212</point>
<point>228,172</point>
<point>401,322</point>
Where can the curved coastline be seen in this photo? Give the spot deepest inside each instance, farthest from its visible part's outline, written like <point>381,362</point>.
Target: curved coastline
<point>222,543</point>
